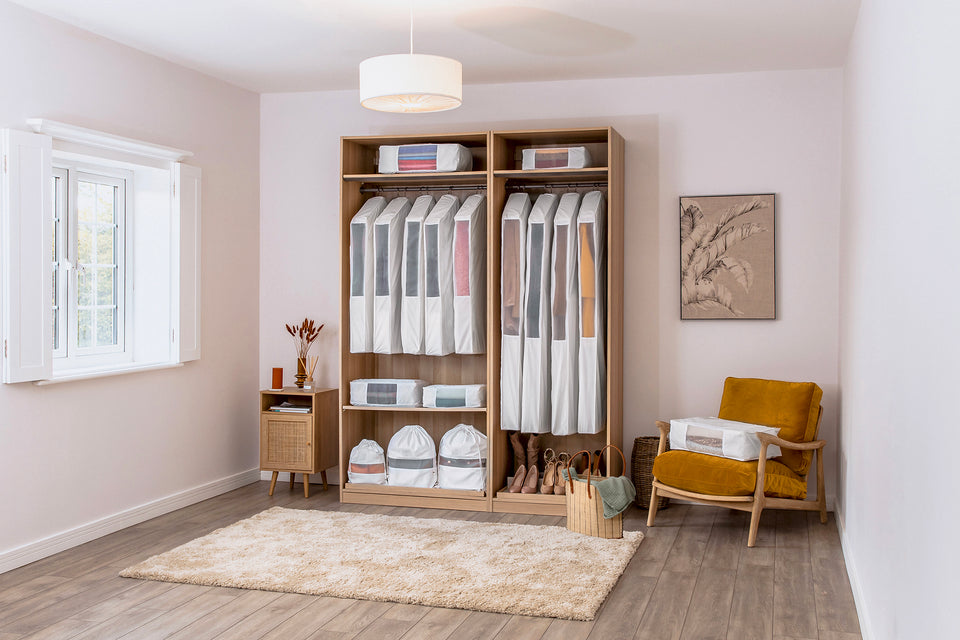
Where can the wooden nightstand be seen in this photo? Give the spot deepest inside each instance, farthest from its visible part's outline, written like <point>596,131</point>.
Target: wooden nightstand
<point>298,441</point>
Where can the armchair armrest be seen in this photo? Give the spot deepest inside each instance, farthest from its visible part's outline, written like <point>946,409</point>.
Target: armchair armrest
<point>768,439</point>
<point>664,428</point>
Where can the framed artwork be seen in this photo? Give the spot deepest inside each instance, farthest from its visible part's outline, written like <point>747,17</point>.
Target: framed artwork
<point>727,265</point>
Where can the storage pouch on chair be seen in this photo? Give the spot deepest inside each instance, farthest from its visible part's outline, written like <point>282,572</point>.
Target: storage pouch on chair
<point>513,273</point>
<point>386,392</point>
<point>424,157</point>
<point>470,276</point>
<point>463,459</point>
<point>565,329</point>
<point>388,258</point>
<point>591,253</point>
<point>440,396</point>
<point>411,308</point>
<point>367,464</point>
<point>362,274</point>
<point>724,438</point>
<point>411,458</point>
<point>556,158</point>
<point>535,394</point>
<point>438,253</point>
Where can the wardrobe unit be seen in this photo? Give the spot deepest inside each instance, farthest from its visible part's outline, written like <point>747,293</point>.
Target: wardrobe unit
<point>496,173</point>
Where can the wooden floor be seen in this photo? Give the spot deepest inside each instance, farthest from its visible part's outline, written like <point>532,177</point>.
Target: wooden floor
<point>693,577</point>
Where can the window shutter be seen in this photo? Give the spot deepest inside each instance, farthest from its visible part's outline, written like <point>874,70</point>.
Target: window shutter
<point>26,209</point>
<point>187,261</point>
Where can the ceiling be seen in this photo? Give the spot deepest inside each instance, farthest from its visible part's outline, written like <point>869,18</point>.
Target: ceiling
<point>308,45</point>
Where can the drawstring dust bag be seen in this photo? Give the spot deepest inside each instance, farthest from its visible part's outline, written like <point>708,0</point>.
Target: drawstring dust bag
<point>412,458</point>
<point>367,464</point>
<point>463,459</point>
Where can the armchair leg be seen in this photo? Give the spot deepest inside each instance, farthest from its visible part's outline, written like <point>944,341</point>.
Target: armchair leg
<point>754,521</point>
<point>652,511</point>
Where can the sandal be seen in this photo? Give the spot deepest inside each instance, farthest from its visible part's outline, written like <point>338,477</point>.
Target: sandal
<point>549,471</point>
<point>560,487</point>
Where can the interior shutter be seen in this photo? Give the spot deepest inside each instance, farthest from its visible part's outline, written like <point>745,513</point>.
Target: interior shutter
<point>26,218</point>
<point>187,261</point>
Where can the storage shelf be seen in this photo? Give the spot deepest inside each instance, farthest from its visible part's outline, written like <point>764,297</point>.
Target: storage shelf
<point>425,492</point>
<point>478,178</point>
<point>589,174</point>
<point>350,407</point>
<point>530,503</point>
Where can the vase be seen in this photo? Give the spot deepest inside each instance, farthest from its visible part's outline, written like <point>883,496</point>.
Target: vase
<point>301,373</point>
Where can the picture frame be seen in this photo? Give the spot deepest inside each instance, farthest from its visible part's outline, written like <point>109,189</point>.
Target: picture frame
<point>728,257</point>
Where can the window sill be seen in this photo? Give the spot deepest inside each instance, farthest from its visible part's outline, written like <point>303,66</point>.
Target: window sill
<point>104,372</point>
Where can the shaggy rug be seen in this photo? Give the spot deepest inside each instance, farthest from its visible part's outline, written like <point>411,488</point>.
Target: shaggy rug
<point>505,568</point>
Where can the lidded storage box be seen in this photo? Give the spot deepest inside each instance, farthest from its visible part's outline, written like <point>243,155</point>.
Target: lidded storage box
<point>367,464</point>
<point>362,274</point>
<point>513,274</point>
<point>591,254</point>
<point>470,275</point>
<point>463,459</point>
<point>724,438</point>
<point>438,254</point>
<point>412,458</point>
<point>386,392</point>
<point>438,396</point>
<point>565,327</point>
<point>556,158</point>
<point>418,158</point>
<point>411,308</point>
<point>388,252</point>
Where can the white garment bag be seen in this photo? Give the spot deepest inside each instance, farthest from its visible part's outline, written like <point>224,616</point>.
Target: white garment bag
<point>438,252</point>
<point>470,275</point>
<point>388,258</point>
<point>367,464</point>
<point>411,308</point>
<point>463,459</point>
<point>513,262</point>
<point>565,327</point>
<point>361,275</point>
<point>411,458</point>
<point>535,394</point>
<point>591,253</point>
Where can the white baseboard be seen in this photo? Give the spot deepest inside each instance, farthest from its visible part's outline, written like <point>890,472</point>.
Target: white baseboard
<point>56,543</point>
<point>866,632</point>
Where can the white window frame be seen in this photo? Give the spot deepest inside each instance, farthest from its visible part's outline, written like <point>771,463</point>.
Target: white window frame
<point>60,260</point>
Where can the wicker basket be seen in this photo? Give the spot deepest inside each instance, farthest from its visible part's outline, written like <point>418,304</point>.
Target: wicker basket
<point>584,506</point>
<point>644,451</point>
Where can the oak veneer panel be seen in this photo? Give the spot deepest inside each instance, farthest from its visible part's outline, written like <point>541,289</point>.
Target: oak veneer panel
<point>224,618</point>
<point>836,610</point>
<point>265,618</point>
<point>437,624</point>
<point>305,622</point>
<point>357,616</point>
<point>125,600</point>
<point>795,611</point>
<point>621,613</point>
<point>667,608</point>
<point>172,621</point>
<point>751,612</point>
<point>120,625</point>
<point>523,627</point>
<point>713,594</point>
<point>481,625</point>
<point>686,555</point>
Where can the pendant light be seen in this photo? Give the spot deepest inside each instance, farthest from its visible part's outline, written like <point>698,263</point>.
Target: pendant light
<point>411,83</point>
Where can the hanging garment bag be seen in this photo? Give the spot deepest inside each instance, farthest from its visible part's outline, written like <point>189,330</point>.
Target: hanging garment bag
<point>438,302</point>
<point>470,275</point>
<point>564,318</point>
<point>367,464</point>
<point>535,414</point>
<point>411,458</point>
<point>513,275</point>
<point>463,459</point>
<point>591,252</point>
<point>361,275</point>
<point>388,258</point>
<point>411,311</point>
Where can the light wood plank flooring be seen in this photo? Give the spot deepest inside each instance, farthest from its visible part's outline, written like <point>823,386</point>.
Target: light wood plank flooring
<point>692,578</point>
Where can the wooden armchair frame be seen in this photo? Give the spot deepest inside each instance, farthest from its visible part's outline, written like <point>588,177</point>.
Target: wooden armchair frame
<point>756,503</point>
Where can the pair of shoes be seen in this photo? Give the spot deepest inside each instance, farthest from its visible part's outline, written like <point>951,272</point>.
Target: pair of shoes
<point>525,458</point>
<point>524,481</point>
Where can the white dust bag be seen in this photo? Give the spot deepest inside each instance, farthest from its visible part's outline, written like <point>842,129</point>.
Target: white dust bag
<point>591,254</point>
<point>367,464</point>
<point>424,157</point>
<point>361,275</point>
<point>411,308</point>
<point>535,395</point>
<point>724,438</point>
<point>388,258</point>
<point>386,392</point>
<point>437,396</point>
<point>470,276</point>
<point>565,329</point>
<point>438,302</point>
<point>556,158</point>
<point>412,458</point>
<point>513,273</point>
<point>463,459</point>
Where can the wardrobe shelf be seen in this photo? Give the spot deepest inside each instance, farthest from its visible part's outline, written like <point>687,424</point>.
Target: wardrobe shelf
<point>478,178</point>
<point>589,174</point>
<point>530,503</point>
<point>350,407</point>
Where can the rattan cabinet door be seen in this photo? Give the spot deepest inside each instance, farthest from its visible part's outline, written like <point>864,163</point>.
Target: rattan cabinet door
<point>286,443</point>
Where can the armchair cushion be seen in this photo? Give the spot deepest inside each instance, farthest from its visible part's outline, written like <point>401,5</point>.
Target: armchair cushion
<point>702,473</point>
<point>793,407</point>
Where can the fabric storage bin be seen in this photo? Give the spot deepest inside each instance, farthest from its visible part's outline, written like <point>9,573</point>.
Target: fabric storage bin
<point>556,158</point>
<point>386,392</point>
<point>513,274</point>
<point>388,258</point>
<point>412,458</point>
<point>411,307</point>
<point>424,157</point>
<point>362,274</point>
<point>367,464</point>
<point>438,293</point>
<point>463,459</point>
<point>722,438</point>
<point>565,321</point>
<point>591,359</point>
<point>454,395</point>
<point>470,276</point>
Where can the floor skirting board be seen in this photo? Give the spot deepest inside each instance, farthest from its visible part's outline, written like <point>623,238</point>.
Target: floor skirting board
<point>866,631</point>
<point>56,543</point>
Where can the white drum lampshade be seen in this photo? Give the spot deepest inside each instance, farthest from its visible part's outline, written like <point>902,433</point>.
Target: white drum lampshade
<point>410,83</point>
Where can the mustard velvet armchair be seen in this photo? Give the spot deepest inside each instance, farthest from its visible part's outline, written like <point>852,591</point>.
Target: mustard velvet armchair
<point>793,407</point>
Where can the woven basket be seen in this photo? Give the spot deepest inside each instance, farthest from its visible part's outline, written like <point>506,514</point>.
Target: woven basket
<point>644,451</point>
<point>584,506</point>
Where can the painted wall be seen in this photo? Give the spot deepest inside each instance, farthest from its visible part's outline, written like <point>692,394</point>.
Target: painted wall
<point>899,345</point>
<point>692,135</point>
<point>77,452</point>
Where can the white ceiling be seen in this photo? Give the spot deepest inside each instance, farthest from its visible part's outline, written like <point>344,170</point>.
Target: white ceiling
<point>304,45</point>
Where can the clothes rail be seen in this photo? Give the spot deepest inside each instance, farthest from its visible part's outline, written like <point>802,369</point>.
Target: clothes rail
<point>557,185</point>
<point>432,187</point>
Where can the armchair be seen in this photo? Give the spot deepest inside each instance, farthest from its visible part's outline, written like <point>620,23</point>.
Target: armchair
<point>793,407</point>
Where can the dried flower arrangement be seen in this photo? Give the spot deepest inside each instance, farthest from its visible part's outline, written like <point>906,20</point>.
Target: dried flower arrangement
<point>304,335</point>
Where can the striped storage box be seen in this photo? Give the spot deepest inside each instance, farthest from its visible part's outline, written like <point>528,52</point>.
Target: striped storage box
<point>407,158</point>
<point>556,158</point>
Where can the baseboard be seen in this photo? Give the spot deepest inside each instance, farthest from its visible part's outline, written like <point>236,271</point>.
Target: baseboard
<point>58,542</point>
<point>866,632</point>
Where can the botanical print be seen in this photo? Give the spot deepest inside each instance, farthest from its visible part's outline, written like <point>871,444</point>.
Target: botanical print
<point>727,257</point>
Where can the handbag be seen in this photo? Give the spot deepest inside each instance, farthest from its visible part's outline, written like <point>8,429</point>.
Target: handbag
<point>584,506</point>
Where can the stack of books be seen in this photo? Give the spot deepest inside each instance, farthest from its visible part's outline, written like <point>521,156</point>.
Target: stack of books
<point>289,407</point>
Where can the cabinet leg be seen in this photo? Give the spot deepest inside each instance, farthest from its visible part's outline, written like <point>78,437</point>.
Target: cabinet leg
<point>293,477</point>
<point>273,482</point>
<point>323,476</point>
<point>306,485</point>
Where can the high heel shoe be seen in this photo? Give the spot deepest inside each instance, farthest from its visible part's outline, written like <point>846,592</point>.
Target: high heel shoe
<point>530,481</point>
<point>549,471</point>
<point>560,488</point>
<point>517,485</point>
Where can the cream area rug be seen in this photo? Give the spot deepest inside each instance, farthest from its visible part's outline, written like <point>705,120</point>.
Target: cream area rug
<point>505,568</point>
